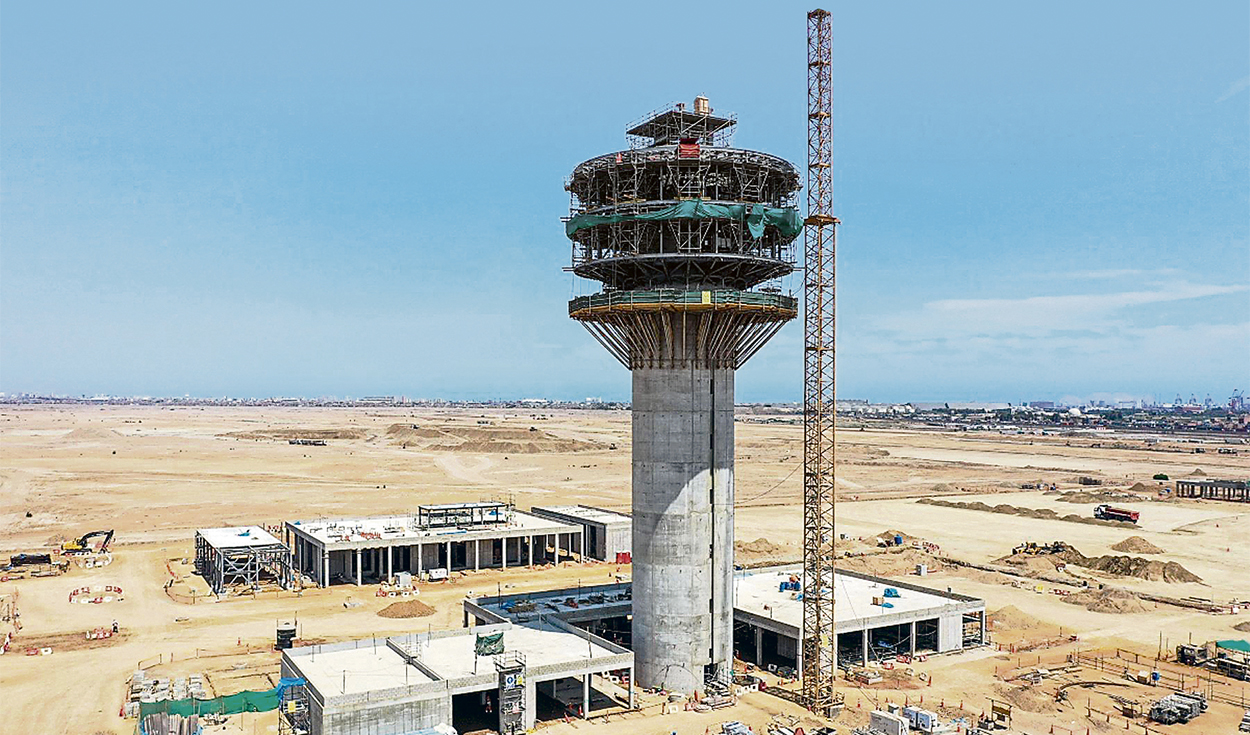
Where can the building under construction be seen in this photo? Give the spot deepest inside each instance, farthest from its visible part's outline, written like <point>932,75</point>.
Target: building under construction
<point>684,232</point>
<point>1232,490</point>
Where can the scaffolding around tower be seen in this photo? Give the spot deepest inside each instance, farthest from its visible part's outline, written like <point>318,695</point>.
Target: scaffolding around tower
<point>687,236</point>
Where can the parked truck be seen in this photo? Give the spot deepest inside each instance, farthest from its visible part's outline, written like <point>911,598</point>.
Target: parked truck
<point>1109,513</point>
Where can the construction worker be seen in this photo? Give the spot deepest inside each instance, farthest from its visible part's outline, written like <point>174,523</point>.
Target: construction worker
<point>114,627</point>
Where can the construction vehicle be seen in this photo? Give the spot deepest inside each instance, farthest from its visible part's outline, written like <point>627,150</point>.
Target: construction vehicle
<point>1033,548</point>
<point>83,544</point>
<point>1109,513</point>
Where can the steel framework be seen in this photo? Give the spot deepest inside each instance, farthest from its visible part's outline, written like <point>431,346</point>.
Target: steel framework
<point>819,395</point>
<point>226,566</point>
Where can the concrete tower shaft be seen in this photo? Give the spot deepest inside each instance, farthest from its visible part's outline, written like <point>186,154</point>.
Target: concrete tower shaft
<point>678,230</point>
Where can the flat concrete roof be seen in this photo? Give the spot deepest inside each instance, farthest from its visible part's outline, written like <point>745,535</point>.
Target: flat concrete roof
<point>238,537</point>
<point>398,530</point>
<point>371,667</point>
<point>587,513</point>
<point>451,657</point>
<point>758,592</point>
<point>551,650</point>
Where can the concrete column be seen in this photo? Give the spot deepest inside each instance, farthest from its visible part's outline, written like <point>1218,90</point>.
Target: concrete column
<point>982,616</point>
<point>420,559</point>
<point>913,637</point>
<point>557,549</point>
<point>390,554</point>
<point>359,571</point>
<point>631,687</point>
<point>529,551</point>
<point>477,553</point>
<point>759,646</point>
<point>449,558</point>
<point>586,696</point>
<point>683,490</point>
<point>865,639</point>
<point>325,567</point>
<point>503,547</point>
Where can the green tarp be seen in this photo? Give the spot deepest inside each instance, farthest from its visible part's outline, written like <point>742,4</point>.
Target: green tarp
<point>489,645</point>
<point>756,217</point>
<point>231,704</point>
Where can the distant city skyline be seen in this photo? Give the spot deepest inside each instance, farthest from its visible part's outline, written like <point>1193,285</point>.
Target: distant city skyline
<point>366,201</point>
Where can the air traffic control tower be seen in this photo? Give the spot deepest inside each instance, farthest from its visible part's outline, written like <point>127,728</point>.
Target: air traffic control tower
<point>684,232</point>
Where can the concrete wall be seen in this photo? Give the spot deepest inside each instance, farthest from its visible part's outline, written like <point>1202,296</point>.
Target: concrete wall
<point>387,718</point>
<point>683,442</point>
<point>950,632</point>
<point>617,539</point>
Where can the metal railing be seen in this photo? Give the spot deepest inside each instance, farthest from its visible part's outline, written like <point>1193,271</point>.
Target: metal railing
<point>668,296</point>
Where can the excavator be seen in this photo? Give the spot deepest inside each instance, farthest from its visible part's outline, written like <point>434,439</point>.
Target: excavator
<point>83,545</point>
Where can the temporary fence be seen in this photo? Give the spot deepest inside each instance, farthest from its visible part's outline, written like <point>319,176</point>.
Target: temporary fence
<point>231,704</point>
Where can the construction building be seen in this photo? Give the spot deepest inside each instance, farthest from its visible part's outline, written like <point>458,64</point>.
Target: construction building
<point>876,618</point>
<point>606,533</point>
<point>687,236</point>
<point>501,677</point>
<point>242,556</point>
<point>1234,490</point>
<point>435,541</point>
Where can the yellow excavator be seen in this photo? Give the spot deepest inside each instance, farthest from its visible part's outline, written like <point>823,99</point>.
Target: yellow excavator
<point>83,545</point>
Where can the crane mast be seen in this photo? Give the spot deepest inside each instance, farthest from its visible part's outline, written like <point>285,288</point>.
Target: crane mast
<point>819,644</point>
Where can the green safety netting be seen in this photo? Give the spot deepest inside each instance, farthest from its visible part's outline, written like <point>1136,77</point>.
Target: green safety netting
<point>231,704</point>
<point>489,645</point>
<point>756,216</point>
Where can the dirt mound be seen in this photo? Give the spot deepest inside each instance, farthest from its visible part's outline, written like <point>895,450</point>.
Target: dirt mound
<point>288,434</point>
<point>90,434</point>
<point>1108,601</point>
<point>1135,566</point>
<point>1137,545</point>
<point>1140,487</point>
<point>890,563</point>
<point>1012,618</point>
<point>485,439</point>
<point>406,609</point>
<point>758,546</point>
<point>1242,627</point>
<point>1197,473</point>
<point>1090,496</point>
<point>942,487</point>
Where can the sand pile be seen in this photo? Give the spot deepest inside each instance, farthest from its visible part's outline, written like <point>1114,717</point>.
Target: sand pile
<point>1089,496</point>
<point>406,609</point>
<point>890,563</point>
<point>758,546</point>
<point>288,434</point>
<point>1137,545</point>
<point>1135,566</point>
<point>1242,627</point>
<point>90,434</point>
<point>485,439</point>
<point>1028,699</point>
<point>1120,566</point>
<point>1197,473</point>
<point>1108,601</point>
<point>1012,618</point>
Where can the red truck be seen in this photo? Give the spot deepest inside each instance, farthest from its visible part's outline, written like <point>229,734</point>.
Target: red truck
<point>1108,513</point>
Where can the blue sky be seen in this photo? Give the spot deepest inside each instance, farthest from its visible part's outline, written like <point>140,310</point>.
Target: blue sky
<point>1039,200</point>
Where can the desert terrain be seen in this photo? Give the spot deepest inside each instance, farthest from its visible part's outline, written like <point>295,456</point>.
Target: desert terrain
<point>156,474</point>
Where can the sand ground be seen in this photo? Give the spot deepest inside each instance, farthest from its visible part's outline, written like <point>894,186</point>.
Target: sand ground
<point>156,474</point>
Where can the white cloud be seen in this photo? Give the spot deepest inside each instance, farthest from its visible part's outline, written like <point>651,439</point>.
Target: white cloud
<point>1240,85</point>
<point>1035,316</point>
